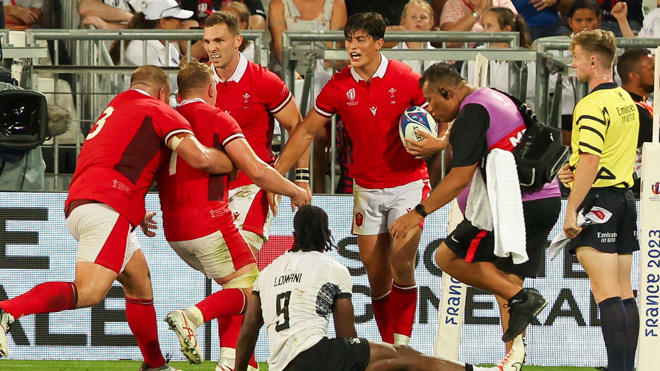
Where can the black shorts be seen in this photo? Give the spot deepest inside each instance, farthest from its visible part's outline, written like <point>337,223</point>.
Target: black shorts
<point>475,245</point>
<point>333,355</point>
<point>619,234</point>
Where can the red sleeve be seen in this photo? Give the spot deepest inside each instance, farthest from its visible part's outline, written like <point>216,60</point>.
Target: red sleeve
<point>275,94</point>
<point>227,128</point>
<point>324,104</point>
<point>168,122</point>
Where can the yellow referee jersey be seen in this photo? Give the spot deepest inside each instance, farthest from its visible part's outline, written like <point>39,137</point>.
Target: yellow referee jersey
<point>606,124</point>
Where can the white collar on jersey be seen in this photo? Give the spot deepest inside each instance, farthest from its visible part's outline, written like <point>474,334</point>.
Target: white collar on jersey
<point>380,72</point>
<point>187,101</point>
<point>142,91</point>
<point>238,73</point>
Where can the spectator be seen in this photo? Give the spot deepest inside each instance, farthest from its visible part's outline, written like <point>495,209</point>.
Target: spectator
<point>504,20</point>
<point>390,10</point>
<point>583,15</point>
<point>22,14</point>
<point>650,27</point>
<point>301,15</point>
<point>115,14</point>
<point>464,15</point>
<point>634,14</point>
<point>541,16</point>
<point>204,8</point>
<point>417,16</point>
<point>158,14</point>
<point>241,12</point>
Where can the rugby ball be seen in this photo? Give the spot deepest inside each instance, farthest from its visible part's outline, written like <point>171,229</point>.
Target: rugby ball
<point>416,118</point>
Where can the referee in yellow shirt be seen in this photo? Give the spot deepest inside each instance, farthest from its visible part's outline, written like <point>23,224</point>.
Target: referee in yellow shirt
<point>604,141</point>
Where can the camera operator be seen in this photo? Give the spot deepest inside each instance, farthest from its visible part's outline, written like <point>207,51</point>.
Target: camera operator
<point>23,169</point>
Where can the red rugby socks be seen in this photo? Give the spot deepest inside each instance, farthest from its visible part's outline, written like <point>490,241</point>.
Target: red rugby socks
<point>47,297</point>
<point>141,317</point>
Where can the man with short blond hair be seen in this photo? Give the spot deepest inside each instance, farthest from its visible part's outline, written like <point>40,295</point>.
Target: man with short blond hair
<point>604,142</point>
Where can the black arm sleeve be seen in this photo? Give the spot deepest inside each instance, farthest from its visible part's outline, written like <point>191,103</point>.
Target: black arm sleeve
<point>468,136</point>
<point>645,126</point>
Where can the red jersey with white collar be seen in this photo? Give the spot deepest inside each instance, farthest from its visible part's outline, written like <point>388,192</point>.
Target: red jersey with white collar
<point>251,96</point>
<point>371,112</point>
<point>188,194</point>
<point>123,151</point>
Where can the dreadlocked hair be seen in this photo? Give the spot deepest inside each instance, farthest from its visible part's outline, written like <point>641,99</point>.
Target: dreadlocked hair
<point>311,232</point>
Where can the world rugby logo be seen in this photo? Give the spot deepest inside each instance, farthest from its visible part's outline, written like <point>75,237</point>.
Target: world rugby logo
<point>655,188</point>
<point>351,94</point>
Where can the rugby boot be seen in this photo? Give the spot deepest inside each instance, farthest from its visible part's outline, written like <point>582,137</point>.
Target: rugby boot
<point>514,359</point>
<point>186,331</point>
<point>225,364</point>
<point>165,367</point>
<point>6,320</point>
<point>522,312</point>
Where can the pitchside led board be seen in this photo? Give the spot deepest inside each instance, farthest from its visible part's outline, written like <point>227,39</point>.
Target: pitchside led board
<point>35,246</point>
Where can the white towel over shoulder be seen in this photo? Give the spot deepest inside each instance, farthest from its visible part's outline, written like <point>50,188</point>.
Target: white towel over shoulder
<point>498,206</point>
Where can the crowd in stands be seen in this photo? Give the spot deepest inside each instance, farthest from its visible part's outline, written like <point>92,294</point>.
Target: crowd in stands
<point>533,19</point>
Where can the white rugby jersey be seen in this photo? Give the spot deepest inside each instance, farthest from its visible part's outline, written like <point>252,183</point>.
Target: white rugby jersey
<point>297,291</point>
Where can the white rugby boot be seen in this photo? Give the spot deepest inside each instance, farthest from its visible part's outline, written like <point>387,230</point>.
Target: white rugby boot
<point>227,360</point>
<point>186,331</point>
<point>165,367</point>
<point>513,361</point>
<point>6,320</point>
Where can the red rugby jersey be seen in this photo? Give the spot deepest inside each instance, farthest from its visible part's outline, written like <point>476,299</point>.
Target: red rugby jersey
<point>251,96</point>
<point>371,112</point>
<point>195,203</point>
<point>123,151</point>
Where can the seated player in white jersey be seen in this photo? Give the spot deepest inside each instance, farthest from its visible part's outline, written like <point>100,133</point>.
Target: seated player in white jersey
<point>294,297</point>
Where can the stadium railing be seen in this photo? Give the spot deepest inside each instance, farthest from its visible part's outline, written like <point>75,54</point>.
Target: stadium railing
<point>93,77</point>
<point>549,63</point>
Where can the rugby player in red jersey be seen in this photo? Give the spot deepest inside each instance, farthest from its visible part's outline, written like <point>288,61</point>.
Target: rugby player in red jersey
<point>370,95</point>
<point>116,167</point>
<point>212,244</point>
<point>254,97</point>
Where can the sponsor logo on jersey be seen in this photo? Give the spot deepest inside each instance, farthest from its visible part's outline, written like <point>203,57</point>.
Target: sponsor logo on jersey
<point>373,110</point>
<point>120,186</point>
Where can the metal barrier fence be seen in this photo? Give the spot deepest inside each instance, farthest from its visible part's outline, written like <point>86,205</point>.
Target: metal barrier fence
<point>92,79</point>
<point>549,63</point>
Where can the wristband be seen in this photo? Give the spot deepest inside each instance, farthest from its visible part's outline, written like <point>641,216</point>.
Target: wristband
<point>302,171</point>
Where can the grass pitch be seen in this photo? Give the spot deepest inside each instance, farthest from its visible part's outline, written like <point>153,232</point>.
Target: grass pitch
<point>11,365</point>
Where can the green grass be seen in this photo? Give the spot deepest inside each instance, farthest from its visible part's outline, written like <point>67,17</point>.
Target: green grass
<point>10,365</point>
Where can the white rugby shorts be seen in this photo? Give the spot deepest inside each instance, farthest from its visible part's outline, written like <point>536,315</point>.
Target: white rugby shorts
<point>104,236</point>
<point>217,255</point>
<point>374,210</point>
<point>252,215</point>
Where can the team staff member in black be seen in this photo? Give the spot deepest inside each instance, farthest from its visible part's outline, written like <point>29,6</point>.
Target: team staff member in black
<point>636,67</point>
<point>604,142</point>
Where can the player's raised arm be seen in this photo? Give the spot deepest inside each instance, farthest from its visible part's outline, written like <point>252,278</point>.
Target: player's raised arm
<point>200,157</point>
<point>262,174</point>
<point>344,317</point>
<point>249,333</point>
<point>301,137</point>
